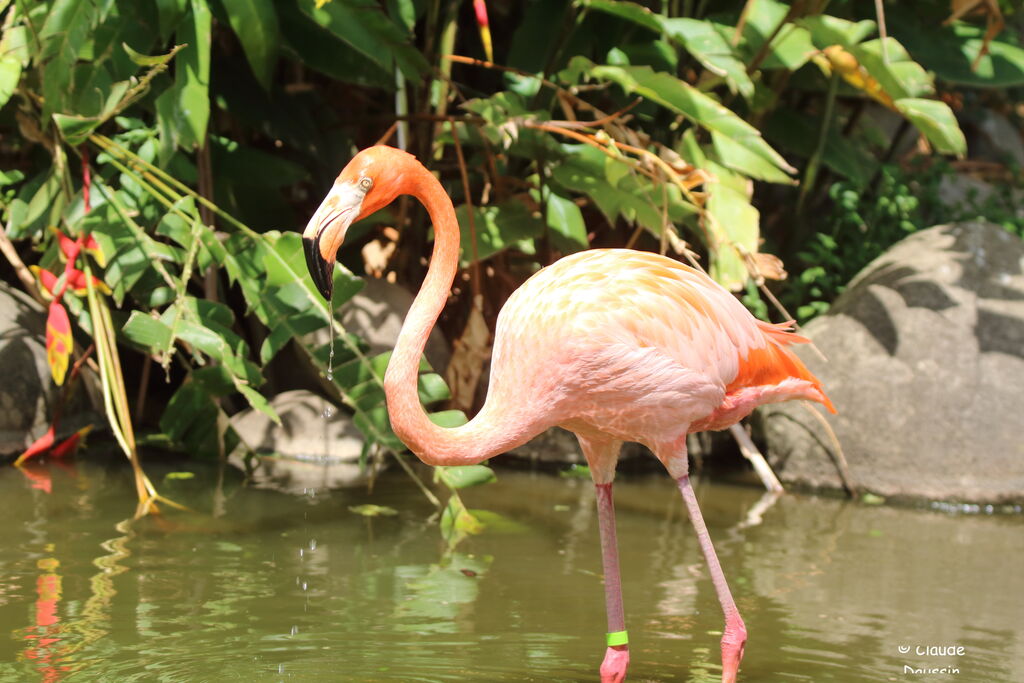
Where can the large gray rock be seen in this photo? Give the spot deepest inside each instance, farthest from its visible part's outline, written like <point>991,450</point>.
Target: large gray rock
<point>27,391</point>
<point>376,314</point>
<point>926,368</point>
<point>316,446</point>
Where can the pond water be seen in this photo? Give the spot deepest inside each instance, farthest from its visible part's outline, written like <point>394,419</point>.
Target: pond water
<point>263,585</point>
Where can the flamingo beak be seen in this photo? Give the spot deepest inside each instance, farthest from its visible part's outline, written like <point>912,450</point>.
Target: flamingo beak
<point>326,231</point>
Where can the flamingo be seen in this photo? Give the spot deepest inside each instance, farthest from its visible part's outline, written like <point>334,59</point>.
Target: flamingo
<point>612,344</point>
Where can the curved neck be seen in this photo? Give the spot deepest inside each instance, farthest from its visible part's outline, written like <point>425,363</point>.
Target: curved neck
<point>487,434</point>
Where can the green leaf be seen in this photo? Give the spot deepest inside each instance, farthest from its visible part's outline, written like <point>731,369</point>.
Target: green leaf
<point>565,219</point>
<point>148,332</point>
<point>10,75</point>
<point>732,223</point>
<point>371,510</point>
<point>937,122</point>
<point>146,60</point>
<point>322,51</point>
<point>466,476</point>
<point>827,30</point>
<point>183,111</point>
<point>457,522</point>
<point>951,54</point>
<point>899,75</point>
<point>255,24</point>
<point>737,157</point>
<point>364,26</point>
<point>791,46</point>
<point>682,98</point>
<point>448,418</point>
<point>497,227</point>
<point>63,35</point>
<point>704,40</point>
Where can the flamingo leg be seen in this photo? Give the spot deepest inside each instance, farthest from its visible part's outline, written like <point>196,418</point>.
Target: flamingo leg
<point>735,634</point>
<point>616,657</point>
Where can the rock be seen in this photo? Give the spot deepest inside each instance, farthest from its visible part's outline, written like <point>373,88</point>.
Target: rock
<point>376,314</point>
<point>315,447</point>
<point>926,365</point>
<point>27,393</point>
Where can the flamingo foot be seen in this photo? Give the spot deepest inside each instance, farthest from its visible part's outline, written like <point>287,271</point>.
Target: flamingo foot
<point>616,661</point>
<point>733,640</point>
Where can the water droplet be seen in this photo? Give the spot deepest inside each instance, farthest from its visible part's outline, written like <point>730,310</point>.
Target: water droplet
<point>280,668</point>
<point>295,629</point>
<point>328,412</point>
<point>312,544</point>
<point>301,551</point>
<point>305,585</point>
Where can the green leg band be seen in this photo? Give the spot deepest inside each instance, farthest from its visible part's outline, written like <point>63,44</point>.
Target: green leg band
<point>618,638</point>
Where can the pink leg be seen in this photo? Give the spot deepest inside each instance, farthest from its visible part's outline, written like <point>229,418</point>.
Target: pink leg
<point>735,634</point>
<point>616,657</point>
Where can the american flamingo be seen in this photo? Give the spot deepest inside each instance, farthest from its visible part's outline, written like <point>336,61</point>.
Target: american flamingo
<point>612,344</point>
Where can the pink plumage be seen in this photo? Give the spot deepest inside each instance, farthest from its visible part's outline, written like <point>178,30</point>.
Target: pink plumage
<point>613,344</point>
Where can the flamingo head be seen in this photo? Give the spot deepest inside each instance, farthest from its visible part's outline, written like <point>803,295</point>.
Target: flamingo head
<point>369,182</point>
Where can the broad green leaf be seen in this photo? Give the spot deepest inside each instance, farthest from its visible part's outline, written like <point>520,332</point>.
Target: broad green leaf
<point>38,204</point>
<point>682,98</point>
<point>497,227</point>
<point>700,38</point>
<point>258,401</point>
<point>630,11</point>
<point>951,54</point>
<point>65,31</point>
<point>75,129</point>
<point>827,30</point>
<point>457,522</point>
<point>10,75</point>
<point>255,24</point>
<point>148,332</point>
<point>732,223</point>
<point>464,477</point>
<point>704,40</point>
<point>900,76</point>
<point>322,51</point>
<point>183,111</point>
<point>739,158</point>
<point>937,122</point>
<point>364,26</point>
<point>448,418</point>
<point>791,46</point>
<point>432,388</point>
<point>565,219</point>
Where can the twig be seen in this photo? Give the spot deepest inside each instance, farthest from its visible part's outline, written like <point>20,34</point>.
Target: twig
<point>474,267</point>
<point>842,467</point>
<point>880,13</point>
<point>751,453</point>
<point>24,274</point>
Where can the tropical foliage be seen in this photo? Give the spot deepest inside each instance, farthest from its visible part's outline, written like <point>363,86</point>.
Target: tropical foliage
<point>712,131</point>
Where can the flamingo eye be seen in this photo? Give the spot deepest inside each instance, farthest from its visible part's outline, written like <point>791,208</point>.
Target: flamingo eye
<point>365,183</point>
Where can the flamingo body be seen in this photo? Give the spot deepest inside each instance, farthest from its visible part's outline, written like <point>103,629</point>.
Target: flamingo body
<point>634,346</point>
<point>613,344</point>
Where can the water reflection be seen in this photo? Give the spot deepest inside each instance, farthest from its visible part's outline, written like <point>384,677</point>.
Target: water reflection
<point>296,587</point>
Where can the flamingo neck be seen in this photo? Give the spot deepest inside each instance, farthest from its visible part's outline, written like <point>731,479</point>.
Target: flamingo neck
<point>482,437</point>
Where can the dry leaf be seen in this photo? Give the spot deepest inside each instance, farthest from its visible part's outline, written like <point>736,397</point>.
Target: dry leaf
<point>994,23</point>
<point>469,353</point>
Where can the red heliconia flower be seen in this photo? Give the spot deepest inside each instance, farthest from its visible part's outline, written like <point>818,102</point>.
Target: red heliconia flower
<point>69,445</point>
<point>70,248</point>
<point>41,445</point>
<point>58,340</point>
<point>482,22</point>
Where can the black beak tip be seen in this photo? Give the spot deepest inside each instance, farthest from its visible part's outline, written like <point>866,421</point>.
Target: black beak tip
<point>321,270</point>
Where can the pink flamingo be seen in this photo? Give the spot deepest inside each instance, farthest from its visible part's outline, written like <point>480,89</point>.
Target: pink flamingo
<point>612,344</point>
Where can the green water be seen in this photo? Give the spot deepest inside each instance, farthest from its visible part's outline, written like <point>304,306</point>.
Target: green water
<point>269,586</point>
